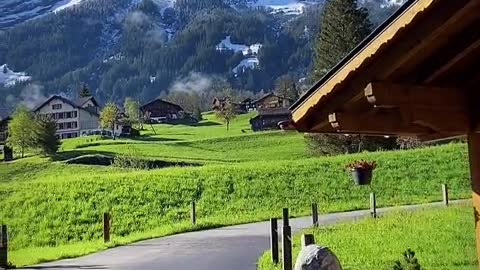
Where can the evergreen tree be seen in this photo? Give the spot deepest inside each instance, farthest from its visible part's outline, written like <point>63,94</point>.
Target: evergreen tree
<point>109,116</point>
<point>45,139</point>
<point>21,131</point>
<point>5,70</point>
<point>343,26</point>
<point>84,91</point>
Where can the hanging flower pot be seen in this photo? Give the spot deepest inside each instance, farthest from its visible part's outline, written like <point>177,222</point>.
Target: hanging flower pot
<point>362,171</point>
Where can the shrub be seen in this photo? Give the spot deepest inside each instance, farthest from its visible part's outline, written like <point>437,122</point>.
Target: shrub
<point>410,262</point>
<point>130,160</point>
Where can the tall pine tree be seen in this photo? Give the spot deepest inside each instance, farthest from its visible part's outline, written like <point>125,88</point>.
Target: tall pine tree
<point>45,139</point>
<point>84,91</point>
<point>343,26</point>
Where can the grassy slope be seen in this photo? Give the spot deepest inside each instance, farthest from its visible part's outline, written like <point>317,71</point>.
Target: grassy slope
<point>208,142</point>
<point>441,238</point>
<point>58,207</point>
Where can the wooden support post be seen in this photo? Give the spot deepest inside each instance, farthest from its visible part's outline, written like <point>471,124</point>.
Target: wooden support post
<point>3,247</point>
<point>373,205</point>
<point>274,239</point>
<point>474,155</point>
<point>286,242</point>
<point>445,194</point>
<point>107,219</point>
<point>315,214</point>
<point>307,240</point>
<point>194,213</point>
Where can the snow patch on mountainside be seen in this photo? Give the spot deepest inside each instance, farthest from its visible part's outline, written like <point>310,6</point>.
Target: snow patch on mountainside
<point>9,77</point>
<point>66,4</point>
<point>293,7</point>
<point>227,44</point>
<point>249,63</point>
<point>17,11</point>
<point>389,3</point>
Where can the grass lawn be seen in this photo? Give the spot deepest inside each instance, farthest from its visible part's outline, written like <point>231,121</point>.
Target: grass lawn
<point>441,238</point>
<point>54,210</point>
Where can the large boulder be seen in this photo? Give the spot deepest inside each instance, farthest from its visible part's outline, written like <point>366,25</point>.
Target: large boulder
<point>315,257</point>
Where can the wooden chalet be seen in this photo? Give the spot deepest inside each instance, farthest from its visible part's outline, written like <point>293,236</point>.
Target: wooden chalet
<point>159,110</point>
<point>268,119</point>
<point>7,152</point>
<point>242,107</point>
<point>271,101</point>
<point>417,75</point>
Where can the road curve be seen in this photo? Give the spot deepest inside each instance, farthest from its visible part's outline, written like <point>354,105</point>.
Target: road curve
<point>228,248</point>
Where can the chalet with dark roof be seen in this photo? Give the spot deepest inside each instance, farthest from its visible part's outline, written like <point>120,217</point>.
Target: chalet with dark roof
<point>268,119</point>
<point>161,111</point>
<point>271,101</point>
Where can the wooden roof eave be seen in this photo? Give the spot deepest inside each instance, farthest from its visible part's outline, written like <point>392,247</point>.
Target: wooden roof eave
<point>360,58</point>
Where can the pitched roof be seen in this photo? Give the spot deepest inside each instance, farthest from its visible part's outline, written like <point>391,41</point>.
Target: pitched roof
<point>161,100</point>
<point>81,101</point>
<point>269,95</point>
<point>426,45</point>
<point>274,111</point>
<point>65,100</point>
<point>348,58</point>
<point>5,120</point>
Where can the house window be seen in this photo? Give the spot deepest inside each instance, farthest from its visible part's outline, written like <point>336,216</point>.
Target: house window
<point>56,106</point>
<point>3,136</point>
<point>69,115</point>
<point>74,125</point>
<point>68,125</point>
<point>61,126</point>
<point>61,115</point>
<point>74,114</point>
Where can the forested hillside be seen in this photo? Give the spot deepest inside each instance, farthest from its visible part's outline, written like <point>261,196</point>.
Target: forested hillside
<point>141,49</point>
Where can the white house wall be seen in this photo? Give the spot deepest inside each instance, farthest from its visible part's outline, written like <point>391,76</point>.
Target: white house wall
<point>48,110</point>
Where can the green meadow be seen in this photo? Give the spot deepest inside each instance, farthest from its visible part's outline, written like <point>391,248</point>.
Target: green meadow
<point>54,210</point>
<point>441,238</point>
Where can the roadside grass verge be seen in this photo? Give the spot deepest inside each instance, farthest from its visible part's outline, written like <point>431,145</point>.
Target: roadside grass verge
<point>442,239</point>
<point>55,205</point>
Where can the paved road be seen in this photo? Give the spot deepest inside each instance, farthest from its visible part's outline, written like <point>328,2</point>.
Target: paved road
<point>229,248</point>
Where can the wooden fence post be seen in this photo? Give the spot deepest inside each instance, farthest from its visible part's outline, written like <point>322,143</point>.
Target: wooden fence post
<point>445,194</point>
<point>3,247</point>
<point>274,239</point>
<point>373,205</point>
<point>286,242</point>
<point>315,214</point>
<point>194,213</point>
<point>107,219</point>
<point>307,240</point>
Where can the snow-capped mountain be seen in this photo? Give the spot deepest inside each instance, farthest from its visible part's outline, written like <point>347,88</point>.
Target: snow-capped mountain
<point>9,77</point>
<point>16,11</point>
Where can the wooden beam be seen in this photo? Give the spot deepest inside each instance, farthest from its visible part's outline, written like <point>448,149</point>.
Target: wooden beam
<point>375,124</point>
<point>474,155</point>
<point>439,137</point>
<point>390,95</point>
<point>442,110</point>
<point>445,26</point>
<point>454,61</point>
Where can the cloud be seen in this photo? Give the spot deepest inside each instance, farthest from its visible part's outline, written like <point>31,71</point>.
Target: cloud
<point>194,82</point>
<point>157,36</point>
<point>137,18</point>
<point>32,95</point>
